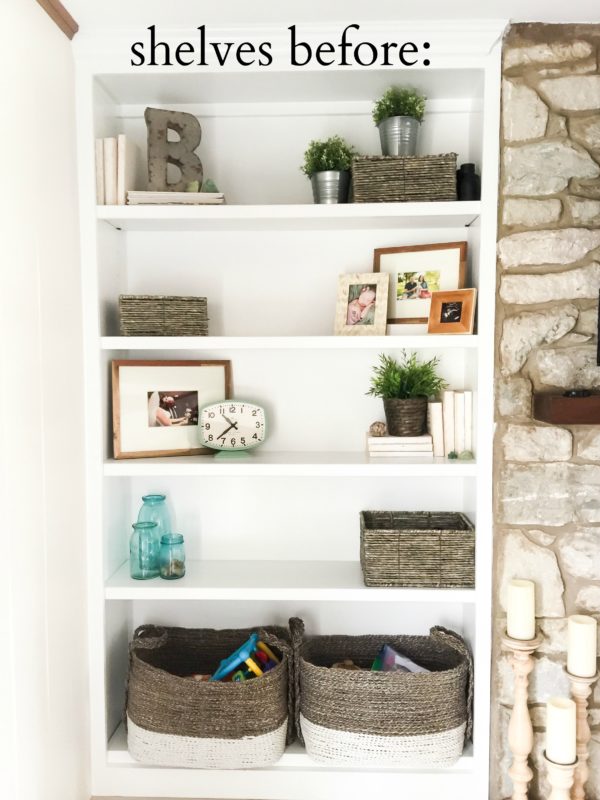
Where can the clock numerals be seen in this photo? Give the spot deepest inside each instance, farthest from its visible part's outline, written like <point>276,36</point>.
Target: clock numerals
<point>232,426</point>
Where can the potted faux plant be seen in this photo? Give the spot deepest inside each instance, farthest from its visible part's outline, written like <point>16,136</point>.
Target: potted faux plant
<point>327,164</point>
<point>405,387</point>
<point>398,115</point>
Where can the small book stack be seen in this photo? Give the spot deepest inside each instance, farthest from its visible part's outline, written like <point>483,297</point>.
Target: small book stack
<point>175,198</point>
<point>450,423</point>
<point>400,446</point>
<point>116,169</point>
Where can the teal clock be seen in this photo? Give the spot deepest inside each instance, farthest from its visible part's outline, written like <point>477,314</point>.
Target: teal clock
<point>232,426</point>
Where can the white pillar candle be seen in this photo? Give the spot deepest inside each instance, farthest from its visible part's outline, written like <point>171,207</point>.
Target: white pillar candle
<point>520,609</point>
<point>561,736</point>
<point>581,646</point>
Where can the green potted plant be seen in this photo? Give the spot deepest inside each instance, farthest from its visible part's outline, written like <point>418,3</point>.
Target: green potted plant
<point>327,164</point>
<point>398,115</point>
<point>405,387</point>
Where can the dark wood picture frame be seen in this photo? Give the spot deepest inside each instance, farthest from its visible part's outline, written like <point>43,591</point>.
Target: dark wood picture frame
<point>116,404</point>
<point>462,269</point>
<point>467,298</point>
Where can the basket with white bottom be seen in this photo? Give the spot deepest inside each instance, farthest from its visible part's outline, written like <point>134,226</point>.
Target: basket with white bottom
<point>398,719</point>
<point>174,720</point>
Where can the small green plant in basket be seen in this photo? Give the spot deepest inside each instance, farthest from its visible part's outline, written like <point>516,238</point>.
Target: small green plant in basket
<point>405,386</point>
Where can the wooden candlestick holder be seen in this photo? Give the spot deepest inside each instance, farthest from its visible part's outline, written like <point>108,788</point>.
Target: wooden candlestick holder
<point>581,689</point>
<point>520,729</point>
<point>560,777</point>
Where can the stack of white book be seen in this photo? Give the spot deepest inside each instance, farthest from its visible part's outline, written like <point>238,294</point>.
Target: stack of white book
<point>400,446</point>
<point>450,423</point>
<point>176,198</point>
<point>116,169</point>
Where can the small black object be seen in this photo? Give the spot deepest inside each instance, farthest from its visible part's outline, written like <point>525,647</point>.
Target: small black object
<point>468,183</point>
<point>577,393</point>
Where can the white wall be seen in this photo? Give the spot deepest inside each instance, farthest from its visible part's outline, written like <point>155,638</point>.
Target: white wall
<point>43,685</point>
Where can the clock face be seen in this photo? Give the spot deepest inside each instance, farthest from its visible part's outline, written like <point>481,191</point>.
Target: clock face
<point>232,425</point>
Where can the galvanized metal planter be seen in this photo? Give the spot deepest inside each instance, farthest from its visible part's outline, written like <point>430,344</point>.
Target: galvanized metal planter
<point>398,136</point>
<point>331,186</point>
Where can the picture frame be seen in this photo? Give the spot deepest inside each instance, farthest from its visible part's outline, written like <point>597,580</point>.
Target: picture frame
<point>362,303</point>
<point>452,312</point>
<point>415,272</point>
<point>156,404</point>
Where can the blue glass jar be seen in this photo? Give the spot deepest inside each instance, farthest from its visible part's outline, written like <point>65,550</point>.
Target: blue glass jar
<point>155,509</point>
<point>172,556</point>
<point>143,551</point>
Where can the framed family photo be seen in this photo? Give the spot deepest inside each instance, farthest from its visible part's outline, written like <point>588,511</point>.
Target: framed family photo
<point>156,405</point>
<point>452,312</point>
<point>415,272</point>
<point>362,302</point>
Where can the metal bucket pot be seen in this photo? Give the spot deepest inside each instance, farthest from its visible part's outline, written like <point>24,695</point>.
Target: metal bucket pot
<point>399,136</point>
<point>331,186</point>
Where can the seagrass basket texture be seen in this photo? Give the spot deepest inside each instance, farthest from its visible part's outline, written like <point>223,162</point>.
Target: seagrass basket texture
<point>402,179</point>
<point>422,549</point>
<point>162,315</point>
<point>383,718</point>
<point>177,721</point>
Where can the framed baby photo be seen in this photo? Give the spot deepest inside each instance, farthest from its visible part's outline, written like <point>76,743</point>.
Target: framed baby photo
<point>361,304</point>
<point>156,405</point>
<point>415,272</point>
<point>452,312</point>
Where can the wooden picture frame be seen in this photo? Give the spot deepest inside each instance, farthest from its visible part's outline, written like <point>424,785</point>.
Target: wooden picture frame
<point>157,414</point>
<point>452,312</point>
<point>444,262</point>
<point>362,303</point>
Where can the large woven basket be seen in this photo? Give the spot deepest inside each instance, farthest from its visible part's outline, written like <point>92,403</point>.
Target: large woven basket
<point>162,315</point>
<point>387,179</point>
<point>394,719</point>
<point>422,549</point>
<point>174,720</point>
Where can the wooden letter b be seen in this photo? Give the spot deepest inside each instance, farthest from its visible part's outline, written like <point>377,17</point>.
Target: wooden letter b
<point>162,152</point>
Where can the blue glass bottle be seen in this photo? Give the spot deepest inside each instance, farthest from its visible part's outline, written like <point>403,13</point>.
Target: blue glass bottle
<point>154,509</point>
<point>143,551</point>
<point>172,556</point>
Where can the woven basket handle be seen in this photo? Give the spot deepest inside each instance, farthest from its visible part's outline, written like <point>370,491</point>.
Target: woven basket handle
<point>456,642</point>
<point>287,650</point>
<point>297,633</point>
<point>158,636</point>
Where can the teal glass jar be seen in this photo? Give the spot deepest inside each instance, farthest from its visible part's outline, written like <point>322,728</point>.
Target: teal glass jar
<point>144,551</point>
<point>155,509</point>
<point>172,556</point>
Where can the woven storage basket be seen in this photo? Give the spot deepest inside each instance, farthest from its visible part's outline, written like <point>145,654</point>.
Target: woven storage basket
<point>158,315</point>
<point>175,721</point>
<point>395,719</point>
<point>387,179</point>
<point>405,416</point>
<point>421,549</point>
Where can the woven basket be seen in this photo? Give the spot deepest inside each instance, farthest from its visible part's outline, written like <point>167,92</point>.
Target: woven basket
<point>174,720</point>
<point>158,315</point>
<point>402,179</point>
<point>390,719</point>
<point>419,549</point>
<point>405,417</point>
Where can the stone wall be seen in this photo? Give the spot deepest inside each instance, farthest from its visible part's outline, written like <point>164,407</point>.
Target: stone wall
<point>547,478</point>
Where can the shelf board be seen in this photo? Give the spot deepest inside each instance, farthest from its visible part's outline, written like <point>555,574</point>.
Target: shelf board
<point>413,342</point>
<point>454,214</point>
<point>264,463</point>
<point>273,581</point>
<point>295,757</point>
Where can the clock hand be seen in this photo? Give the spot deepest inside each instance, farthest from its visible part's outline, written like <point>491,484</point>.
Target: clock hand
<point>233,425</point>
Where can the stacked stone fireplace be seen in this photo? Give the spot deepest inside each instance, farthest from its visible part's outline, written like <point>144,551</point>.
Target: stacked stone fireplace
<point>547,478</point>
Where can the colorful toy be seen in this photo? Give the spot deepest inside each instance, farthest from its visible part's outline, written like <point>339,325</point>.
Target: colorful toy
<point>257,657</point>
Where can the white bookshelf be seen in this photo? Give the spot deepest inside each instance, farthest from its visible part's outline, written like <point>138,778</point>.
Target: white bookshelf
<point>276,534</point>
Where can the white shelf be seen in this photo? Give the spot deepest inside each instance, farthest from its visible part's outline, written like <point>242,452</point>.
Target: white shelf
<point>294,757</point>
<point>272,581</point>
<point>412,342</point>
<point>291,217</point>
<point>263,463</point>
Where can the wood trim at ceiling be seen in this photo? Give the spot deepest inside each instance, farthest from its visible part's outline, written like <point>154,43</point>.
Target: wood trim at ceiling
<point>60,15</point>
